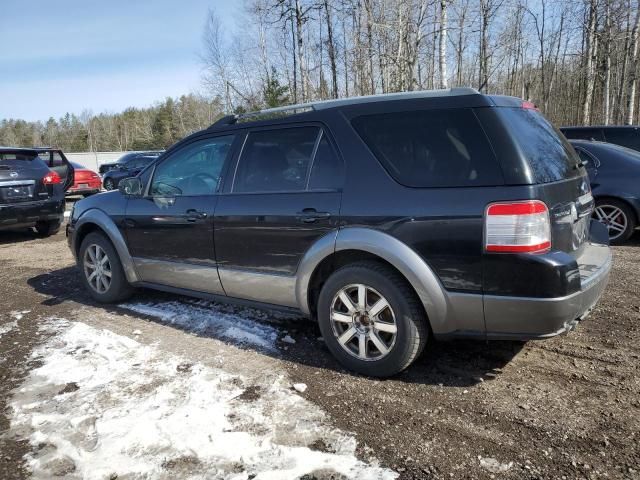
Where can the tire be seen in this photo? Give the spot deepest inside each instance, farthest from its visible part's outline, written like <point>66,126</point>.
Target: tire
<point>618,217</point>
<point>109,184</point>
<point>47,228</point>
<point>404,311</point>
<point>115,288</point>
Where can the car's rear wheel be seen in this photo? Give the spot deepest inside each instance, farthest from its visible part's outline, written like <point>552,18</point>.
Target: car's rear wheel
<point>47,228</point>
<point>102,272</point>
<point>618,217</point>
<point>109,184</point>
<point>371,319</point>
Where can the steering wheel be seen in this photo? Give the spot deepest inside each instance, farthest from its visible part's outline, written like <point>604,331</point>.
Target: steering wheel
<point>202,176</point>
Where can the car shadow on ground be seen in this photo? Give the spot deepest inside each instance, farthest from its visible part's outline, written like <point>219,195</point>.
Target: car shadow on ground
<point>454,363</point>
<point>17,236</point>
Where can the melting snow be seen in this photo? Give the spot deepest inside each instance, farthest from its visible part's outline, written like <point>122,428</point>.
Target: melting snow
<point>103,405</point>
<point>242,325</point>
<point>7,327</point>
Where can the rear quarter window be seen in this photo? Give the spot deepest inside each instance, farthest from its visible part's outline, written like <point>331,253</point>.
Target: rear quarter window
<point>431,148</point>
<point>548,153</point>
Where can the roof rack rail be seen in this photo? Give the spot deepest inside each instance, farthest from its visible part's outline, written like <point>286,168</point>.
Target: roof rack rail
<point>324,104</point>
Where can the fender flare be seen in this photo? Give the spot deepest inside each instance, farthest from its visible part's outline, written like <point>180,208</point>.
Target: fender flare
<point>424,281</point>
<point>106,224</point>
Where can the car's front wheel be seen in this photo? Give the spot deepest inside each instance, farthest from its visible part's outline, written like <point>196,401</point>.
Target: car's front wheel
<point>371,319</point>
<point>109,184</point>
<point>102,272</point>
<point>618,217</point>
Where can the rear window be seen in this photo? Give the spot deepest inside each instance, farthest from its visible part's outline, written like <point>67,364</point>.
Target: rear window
<point>431,148</point>
<point>549,154</point>
<point>584,134</point>
<point>17,160</point>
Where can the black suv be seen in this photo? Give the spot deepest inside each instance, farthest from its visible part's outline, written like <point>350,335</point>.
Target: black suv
<point>125,159</point>
<point>386,218</point>
<point>132,167</point>
<point>32,193</point>
<point>624,135</point>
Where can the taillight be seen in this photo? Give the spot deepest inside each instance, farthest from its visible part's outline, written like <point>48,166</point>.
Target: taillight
<point>529,106</point>
<point>51,178</point>
<point>518,227</point>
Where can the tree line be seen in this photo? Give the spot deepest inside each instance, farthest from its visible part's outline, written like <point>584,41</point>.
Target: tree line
<point>577,60</point>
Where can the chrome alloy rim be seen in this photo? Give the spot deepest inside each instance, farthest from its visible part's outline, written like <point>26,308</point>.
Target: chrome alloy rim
<point>363,322</point>
<point>97,268</point>
<point>613,218</point>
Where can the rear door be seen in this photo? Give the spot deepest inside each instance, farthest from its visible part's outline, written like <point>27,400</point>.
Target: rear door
<point>285,195</point>
<point>170,229</point>
<point>57,162</point>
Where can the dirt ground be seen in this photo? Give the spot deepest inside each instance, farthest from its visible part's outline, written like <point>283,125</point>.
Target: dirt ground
<point>567,407</point>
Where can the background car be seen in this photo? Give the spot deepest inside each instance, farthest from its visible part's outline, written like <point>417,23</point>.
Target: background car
<point>32,194</point>
<point>131,168</point>
<point>614,172</point>
<point>125,159</point>
<point>624,135</point>
<point>86,182</point>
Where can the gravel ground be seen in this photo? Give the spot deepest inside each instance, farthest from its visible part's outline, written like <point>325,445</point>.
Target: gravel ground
<point>568,407</point>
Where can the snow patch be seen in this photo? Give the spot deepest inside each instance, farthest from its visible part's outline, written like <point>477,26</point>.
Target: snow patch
<point>19,314</point>
<point>7,327</point>
<point>103,405</point>
<point>241,325</point>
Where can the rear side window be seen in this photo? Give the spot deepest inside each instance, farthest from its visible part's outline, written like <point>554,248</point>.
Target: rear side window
<point>276,160</point>
<point>547,151</point>
<point>431,148</point>
<point>327,172</point>
<point>627,137</point>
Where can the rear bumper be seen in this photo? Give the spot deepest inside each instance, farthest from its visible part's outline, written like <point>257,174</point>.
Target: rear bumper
<point>27,214</point>
<point>523,318</point>
<point>84,190</point>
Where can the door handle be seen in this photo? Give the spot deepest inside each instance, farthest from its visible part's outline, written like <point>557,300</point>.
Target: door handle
<point>193,215</point>
<point>311,215</point>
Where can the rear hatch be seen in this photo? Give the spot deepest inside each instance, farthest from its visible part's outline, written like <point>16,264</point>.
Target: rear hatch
<point>21,177</point>
<point>550,164</point>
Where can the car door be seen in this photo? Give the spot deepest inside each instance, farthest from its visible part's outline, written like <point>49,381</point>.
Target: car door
<point>57,162</point>
<point>170,228</point>
<point>284,196</point>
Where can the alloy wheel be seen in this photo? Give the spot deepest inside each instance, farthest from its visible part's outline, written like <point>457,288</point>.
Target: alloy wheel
<point>108,185</point>
<point>613,218</point>
<point>97,268</point>
<point>363,322</point>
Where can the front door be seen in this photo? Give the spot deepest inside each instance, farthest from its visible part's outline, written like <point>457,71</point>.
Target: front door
<point>284,196</point>
<point>170,229</point>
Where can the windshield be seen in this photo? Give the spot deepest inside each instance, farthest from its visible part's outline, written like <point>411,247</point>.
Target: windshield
<point>549,154</point>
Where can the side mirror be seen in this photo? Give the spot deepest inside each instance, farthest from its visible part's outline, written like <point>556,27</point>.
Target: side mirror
<point>131,187</point>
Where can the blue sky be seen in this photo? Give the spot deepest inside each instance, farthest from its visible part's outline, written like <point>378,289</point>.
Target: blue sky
<point>69,55</point>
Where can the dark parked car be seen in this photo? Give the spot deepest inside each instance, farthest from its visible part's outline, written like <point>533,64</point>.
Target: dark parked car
<point>87,182</point>
<point>130,168</point>
<point>624,135</point>
<point>387,218</point>
<point>614,172</point>
<point>125,159</point>
<point>32,194</point>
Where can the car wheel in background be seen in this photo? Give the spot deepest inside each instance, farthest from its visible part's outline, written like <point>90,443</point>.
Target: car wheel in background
<point>371,319</point>
<point>618,217</point>
<point>47,228</point>
<point>102,272</point>
<point>109,184</point>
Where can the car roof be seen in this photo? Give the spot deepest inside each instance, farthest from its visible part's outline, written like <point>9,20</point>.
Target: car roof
<point>606,127</point>
<point>31,151</point>
<point>281,113</point>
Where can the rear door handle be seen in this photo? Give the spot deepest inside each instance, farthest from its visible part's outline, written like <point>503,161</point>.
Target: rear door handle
<point>193,215</point>
<point>311,215</point>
